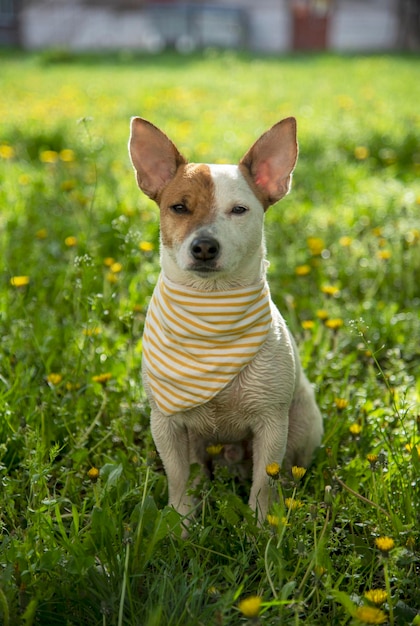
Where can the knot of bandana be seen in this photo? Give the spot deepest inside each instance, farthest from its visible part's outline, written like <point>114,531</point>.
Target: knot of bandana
<point>196,342</point>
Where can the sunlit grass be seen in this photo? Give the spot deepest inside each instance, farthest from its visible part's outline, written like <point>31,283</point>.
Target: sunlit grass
<point>86,537</point>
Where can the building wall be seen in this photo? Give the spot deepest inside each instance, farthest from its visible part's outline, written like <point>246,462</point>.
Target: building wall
<point>362,25</point>
<point>68,24</point>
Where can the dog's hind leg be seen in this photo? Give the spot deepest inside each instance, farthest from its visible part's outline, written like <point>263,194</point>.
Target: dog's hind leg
<point>305,426</point>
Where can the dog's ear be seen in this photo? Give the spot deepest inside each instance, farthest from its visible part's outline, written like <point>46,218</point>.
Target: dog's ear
<point>271,160</point>
<point>154,157</point>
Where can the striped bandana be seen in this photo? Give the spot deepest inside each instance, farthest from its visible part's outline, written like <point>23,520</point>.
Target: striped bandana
<point>196,342</point>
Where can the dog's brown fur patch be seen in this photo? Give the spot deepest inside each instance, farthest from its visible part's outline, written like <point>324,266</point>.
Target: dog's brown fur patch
<point>192,187</point>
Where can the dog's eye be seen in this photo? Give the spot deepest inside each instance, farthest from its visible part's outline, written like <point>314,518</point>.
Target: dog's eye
<point>179,209</point>
<point>239,210</point>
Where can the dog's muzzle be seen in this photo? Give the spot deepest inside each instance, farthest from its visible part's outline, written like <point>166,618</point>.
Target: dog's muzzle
<point>205,249</point>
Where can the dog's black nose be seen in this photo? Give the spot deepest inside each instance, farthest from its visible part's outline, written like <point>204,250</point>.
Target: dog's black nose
<point>205,248</point>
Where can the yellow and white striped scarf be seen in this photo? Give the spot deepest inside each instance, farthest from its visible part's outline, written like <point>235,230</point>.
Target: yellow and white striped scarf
<point>196,342</point>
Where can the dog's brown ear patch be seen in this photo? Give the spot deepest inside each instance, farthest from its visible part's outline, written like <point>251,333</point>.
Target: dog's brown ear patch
<point>271,160</point>
<point>154,157</point>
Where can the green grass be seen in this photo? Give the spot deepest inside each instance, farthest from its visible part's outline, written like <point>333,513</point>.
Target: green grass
<point>345,245</point>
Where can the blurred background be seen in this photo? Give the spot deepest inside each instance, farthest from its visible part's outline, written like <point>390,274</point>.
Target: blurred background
<point>267,26</point>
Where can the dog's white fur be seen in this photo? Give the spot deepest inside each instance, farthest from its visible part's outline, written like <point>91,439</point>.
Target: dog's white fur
<point>271,400</point>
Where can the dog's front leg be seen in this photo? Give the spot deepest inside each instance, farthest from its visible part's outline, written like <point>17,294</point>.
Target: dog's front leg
<point>171,440</point>
<point>269,446</point>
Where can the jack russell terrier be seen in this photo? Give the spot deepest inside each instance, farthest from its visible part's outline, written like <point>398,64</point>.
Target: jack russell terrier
<point>219,364</point>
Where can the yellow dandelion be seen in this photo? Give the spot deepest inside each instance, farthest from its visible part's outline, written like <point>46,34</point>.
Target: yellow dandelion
<point>213,592</point>
<point>273,470</point>
<point>273,520</point>
<point>334,323</point>
<point>24,179</point>
<point>384,255</point>
<point>298,473</point>
<point>372,458</point>
<point>410,447</point>
<point>292,504</point>
<point>377,231</point>
<point>376,596</point>
<point>68,185</point>
<point>79,197</point>
<point>111,278</point>
<point>6,151</point>
<point>92,332</point>
<point>341,403</point>
<point>370,615</point>
<point>322,314</point>
<point>93,474</point>
<point>42,233</point>
<point>302,270</point>
<point>308,324</point>
<point>250,607</point>
<point>102,379</point>
<point>146,246</point>
<point>116,268</point>
<point>361,153</point>
<point>67,155</point>
<point>128,211</point>
<point>108,261</point>
<point>72,386</point>
<point>215,449</point>
<point>355,429</point>
<point>20,281</point>
<point>319,571</point>
<point>384,544</point>
<point>202,146</point>
<point>70,241</point>
<point>345,102</point>
<point>54,379</point>
<point>48,156</point>
<point>316,245</point>
<point>345,241</point>
<point>330,290</point>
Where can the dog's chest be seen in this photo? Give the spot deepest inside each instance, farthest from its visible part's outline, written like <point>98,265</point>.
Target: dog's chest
<point>260,388</point>
<point>237,408</point>
<point>196,342</point>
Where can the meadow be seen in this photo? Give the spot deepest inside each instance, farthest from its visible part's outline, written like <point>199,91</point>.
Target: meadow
<point>86,538</point>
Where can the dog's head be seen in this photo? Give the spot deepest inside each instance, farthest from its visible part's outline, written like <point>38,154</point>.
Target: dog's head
<point>212,215</point>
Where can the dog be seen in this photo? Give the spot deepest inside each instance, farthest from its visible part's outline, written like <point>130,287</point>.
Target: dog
<point>219,364</point>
